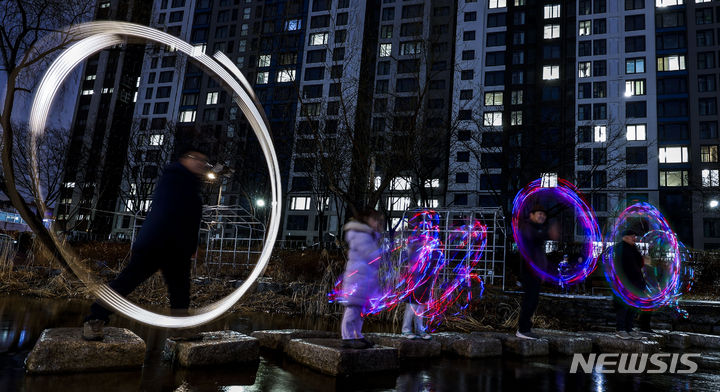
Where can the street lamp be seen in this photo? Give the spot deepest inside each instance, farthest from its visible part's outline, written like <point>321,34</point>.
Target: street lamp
<point>211,175</point>
<point>260,203</point>
<point>714,203</point>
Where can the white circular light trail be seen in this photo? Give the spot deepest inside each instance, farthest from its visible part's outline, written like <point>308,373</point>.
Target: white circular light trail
<point>96,36</point>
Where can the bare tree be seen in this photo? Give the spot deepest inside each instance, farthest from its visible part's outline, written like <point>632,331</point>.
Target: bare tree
<point>26,47</point>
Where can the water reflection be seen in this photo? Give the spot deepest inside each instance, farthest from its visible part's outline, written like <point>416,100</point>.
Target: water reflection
<point>22,320</point>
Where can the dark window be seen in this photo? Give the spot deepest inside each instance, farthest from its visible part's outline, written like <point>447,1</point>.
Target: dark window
<point>414,29</point>
<point>551,93</point>
<point>705,38</point>
<point>551,51</point>
<point>464,135</point>
<point>599,89</point>
<point>490,181</point>
<point>584,156</point>
<point>585,7</point>
<point>494,78</point>
<point>584,134</point>
<point>584,90</point>
<point>316,73</point>
<point>338,54</point>
<point>491,139</point>
<point>297,222</point>
<point>599,201</point>
<point>408,66</point>
<point>673,131</point>
<point>316,56</point>
<point>599,6</point>
<point>584,48</point>
<point>342,19</point>
<point>636,155</point>
<point>636,179</point>
<point>463,156</point>
<point>708,130</point>
<point>468,55</point>
<point>470,16</point>
<point>635,109</point>
<point>388,13</point>
<point>406,85</point>
<point>599,156</point>
<point>599,111</point>
<point>494,39</point>
<point>706,60</point>
<point>465,114</point>
<point>671,40</point>
<point>599,47</point>
<point>634,4</point>
<point>584,112</point>
<point>672,108</point>
<point>166,77</point>
<point>461,199</point>
<point>634,44</point>
<point>599,26</point>
<point>703,16</point>
<point>461,178</point>
<point>466,95</point>
<point>495,58</point>
<point>496,20</point>
<point>670,19</point>
<point>599,68</point>
<point>634,22</point>
<point>676,85</point>
<point>707,106</point>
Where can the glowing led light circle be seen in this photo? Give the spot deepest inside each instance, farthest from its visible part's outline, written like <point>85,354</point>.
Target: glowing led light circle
<point>96,36</point>
<point>659,231</point>
<point>568,193</point>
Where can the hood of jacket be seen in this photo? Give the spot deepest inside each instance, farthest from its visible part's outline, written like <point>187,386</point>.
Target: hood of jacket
<point>354,225</point>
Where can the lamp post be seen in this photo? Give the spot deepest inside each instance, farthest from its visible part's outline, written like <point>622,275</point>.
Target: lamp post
<point>714,203</point>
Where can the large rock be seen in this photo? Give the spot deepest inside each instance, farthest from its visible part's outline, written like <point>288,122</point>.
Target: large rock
<point>277,338</point>
<point>517,346</point>
<point>214,348</point>
<point>407,348</point>
<point>326,356</point>
<point>675,339</point>
<point>703,340</point>
<point>477,347</point>
<point>609,343</point>
<point>565,343</point>
<point>447,339</point>
<point>61,350</point>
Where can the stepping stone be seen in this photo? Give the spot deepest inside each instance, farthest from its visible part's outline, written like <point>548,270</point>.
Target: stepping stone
<point>277,338</point>
<point>447,339</point>
<point>327,356</point>
<point>609,343</point>
<point>63,350</point>
<point>676,339</point>
<point>708,361</point>
<point>407,348</point>
<point>477,347</point>
<point>213,348</point>
<point>703,340</point>
<point>565,343</point>
<point>514,345</point>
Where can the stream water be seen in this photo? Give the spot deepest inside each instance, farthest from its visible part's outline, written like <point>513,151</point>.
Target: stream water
<point>23,319</point>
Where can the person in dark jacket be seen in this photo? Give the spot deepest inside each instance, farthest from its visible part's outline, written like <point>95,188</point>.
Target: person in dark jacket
<point>166,241</point>
<point>535,232</point>
<point>628,265</point>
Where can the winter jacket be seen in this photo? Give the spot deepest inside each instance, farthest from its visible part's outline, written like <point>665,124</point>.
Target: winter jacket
<point>628,265</point>
<point>360,280</point>
<point>424,279</point>
<point>534,236</point>
<point>173,222</point>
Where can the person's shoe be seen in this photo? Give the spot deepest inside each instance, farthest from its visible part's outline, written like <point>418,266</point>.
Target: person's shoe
<point>636,335</point>
<point>623,335</point>
<point>93,330</point>
<point>410,335</point>
<point>357,344</point>
<point>526,335</point>
<point>426,336</point>
<point>367,343</point>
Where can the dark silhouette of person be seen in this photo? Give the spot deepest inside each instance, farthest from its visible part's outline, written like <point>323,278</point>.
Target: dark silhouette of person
<point>535,232</point>
<point>628,265</point>
<point>166,241</point>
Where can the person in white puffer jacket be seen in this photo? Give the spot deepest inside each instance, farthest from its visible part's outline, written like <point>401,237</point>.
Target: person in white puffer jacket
<point>360,280</point>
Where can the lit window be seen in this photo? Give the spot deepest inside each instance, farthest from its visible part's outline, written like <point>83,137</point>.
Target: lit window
<point>300,203</point>
<point>585,27</point>
<point>551,11</point>
<point>244,28</point>
<point>636,132</point>
<point>105,4</point>
<point>107,90</point>
<point>549,180</point>
<point>674,178</point>
<point>432,183</point>
<point>702,1</point>
<point>635,65</point>
<point>318,39</point>
<point>187,116</point>
<point>668,3</point>
<point>87,92</point>
<point>156,140</point>
<point>263,77</point>
<point>600,134</point>
<point>69,185</point>
<point>91,77</point>
<point>491,119</point>
<point>264,60</point>
<point>552,31</point>
<point>199,49</point>
<point>398,203</point>
<point>497,4</point>
<point>709,153</point>
<point>293,25</point>
<point>516,117</point>
<point>710,177</point>
<point>385,50</point>
<point>634,87</point>
<point>212,98</point>
<point>409,48</point>
<point>494,98</point>
<point>286,75</point>
<point>400,184</point>
<point>516,97</point>
<point>551,72</point>
<point>673,154</point>
<point>584,69</point>
<point>671,63</point>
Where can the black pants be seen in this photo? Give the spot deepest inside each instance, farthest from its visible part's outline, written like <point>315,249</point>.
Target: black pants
<point>530,299</point>
<point>624,315</point>
<point>175,270</point>
<point>644,321</point>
